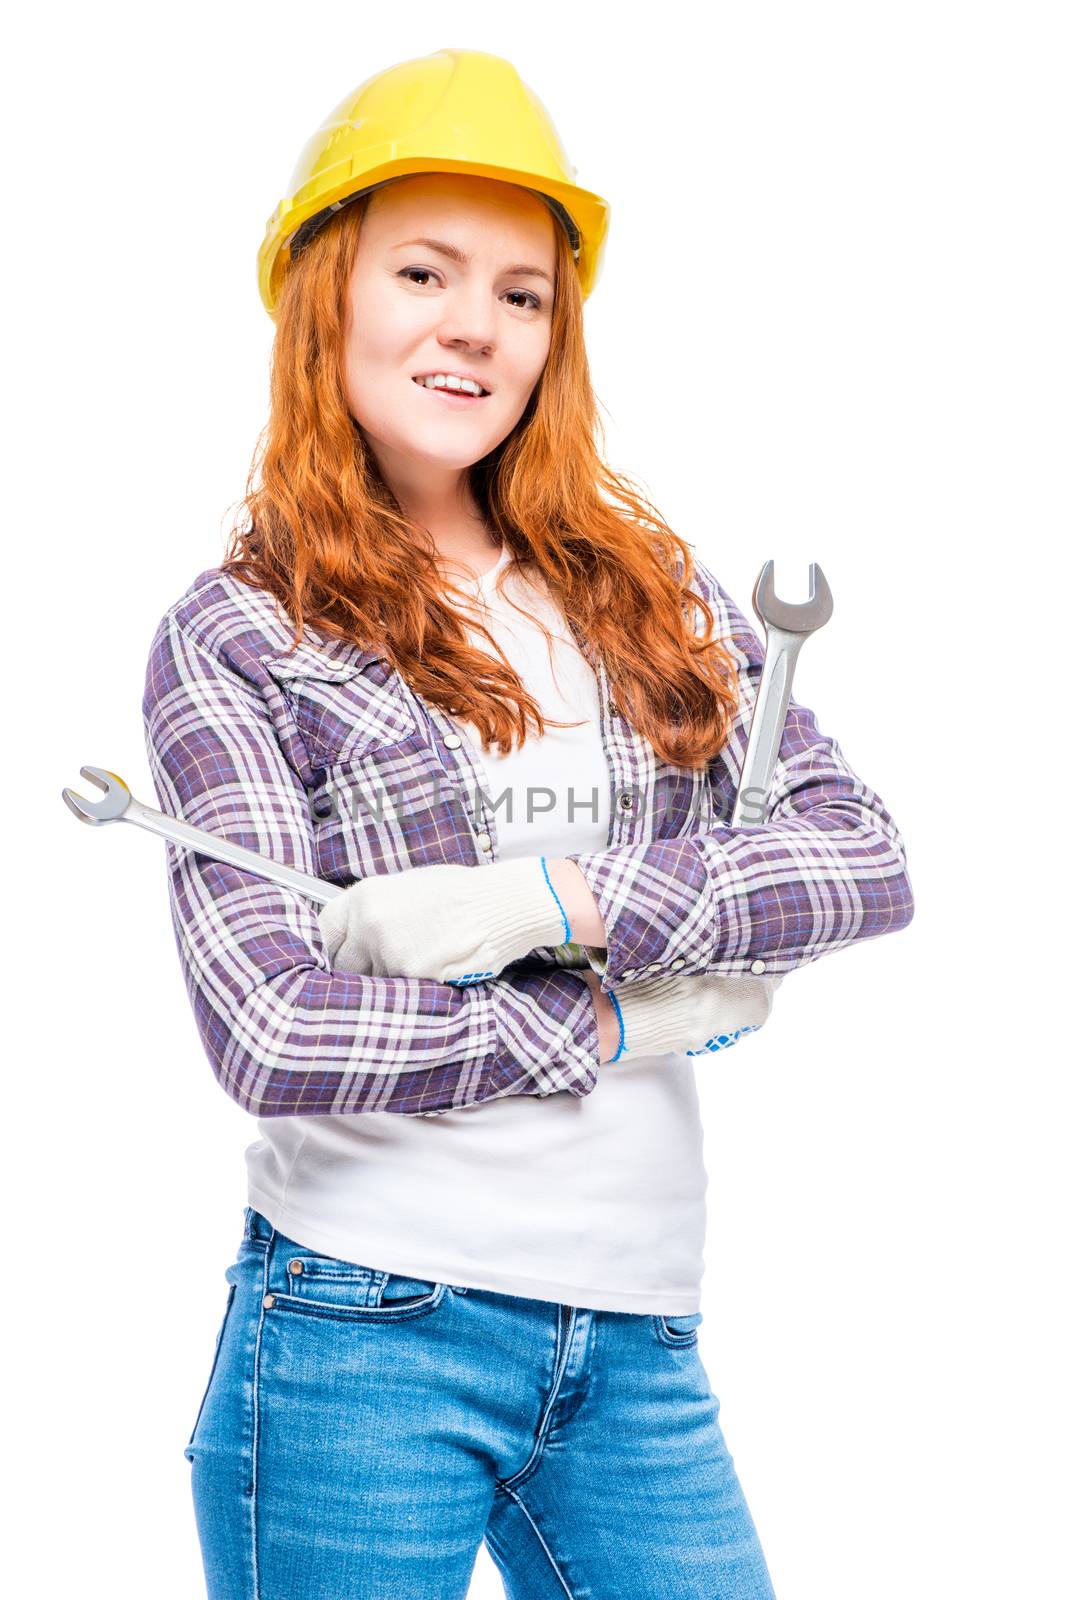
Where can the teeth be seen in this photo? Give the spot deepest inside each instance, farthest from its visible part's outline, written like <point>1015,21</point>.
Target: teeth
<point>439,380</point>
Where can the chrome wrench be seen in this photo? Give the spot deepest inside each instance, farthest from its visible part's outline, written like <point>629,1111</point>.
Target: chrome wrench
<point>786,628</point>
<point>119,805</point>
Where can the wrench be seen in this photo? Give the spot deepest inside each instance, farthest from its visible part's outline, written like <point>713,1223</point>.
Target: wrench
<point>119,805</point>
<point>786,627</point>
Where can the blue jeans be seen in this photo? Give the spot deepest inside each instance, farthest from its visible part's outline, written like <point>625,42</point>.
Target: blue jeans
<point>362,1433</point>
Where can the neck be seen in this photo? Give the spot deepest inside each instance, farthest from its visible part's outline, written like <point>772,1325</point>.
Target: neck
<point>440,501</point>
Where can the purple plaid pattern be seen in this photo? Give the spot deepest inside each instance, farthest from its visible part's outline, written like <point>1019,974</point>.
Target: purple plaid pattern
<point>323,758</point>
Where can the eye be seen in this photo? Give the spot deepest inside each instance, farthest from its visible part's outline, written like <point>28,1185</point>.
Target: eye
<point>534,304</point>
<point>425,271</point>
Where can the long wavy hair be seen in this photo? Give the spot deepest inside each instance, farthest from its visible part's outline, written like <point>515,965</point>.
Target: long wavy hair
<point>326,536</point>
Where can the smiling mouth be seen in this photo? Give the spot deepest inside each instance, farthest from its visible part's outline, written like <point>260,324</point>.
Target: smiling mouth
<point>451,394</point>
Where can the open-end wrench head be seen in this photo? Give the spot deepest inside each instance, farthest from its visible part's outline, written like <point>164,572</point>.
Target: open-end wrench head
<point>804,618</point>
<point>116,797</point>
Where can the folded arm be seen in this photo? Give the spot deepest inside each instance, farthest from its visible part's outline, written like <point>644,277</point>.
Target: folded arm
<point>286,1035</point>
<point>827,867</point>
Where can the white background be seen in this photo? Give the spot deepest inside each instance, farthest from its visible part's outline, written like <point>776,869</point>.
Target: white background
<point>831,326</point>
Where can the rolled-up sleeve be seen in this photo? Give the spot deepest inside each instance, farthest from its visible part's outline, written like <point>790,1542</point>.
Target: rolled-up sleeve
<point>285,1034</point>
<point>825,869</point>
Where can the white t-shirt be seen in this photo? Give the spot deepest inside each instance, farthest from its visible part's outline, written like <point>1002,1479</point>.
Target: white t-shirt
<point>593,1201</point>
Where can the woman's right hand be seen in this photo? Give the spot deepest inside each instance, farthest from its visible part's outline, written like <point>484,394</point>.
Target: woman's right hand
<point>698,1013</point>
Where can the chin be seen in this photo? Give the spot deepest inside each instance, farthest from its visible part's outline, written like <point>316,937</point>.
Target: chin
<point>457,458</point>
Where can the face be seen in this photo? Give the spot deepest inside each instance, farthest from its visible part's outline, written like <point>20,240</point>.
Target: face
<point>415,310</point>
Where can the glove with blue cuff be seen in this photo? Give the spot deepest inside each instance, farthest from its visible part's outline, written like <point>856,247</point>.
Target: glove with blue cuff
<point>456,924</point>
<point>696,1014</point>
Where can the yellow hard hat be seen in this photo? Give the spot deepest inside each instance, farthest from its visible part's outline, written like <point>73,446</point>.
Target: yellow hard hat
<point>453,111</point>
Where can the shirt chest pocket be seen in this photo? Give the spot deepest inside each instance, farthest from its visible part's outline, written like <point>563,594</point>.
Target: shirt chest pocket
<point>344,706</point>
<point>363,751</point>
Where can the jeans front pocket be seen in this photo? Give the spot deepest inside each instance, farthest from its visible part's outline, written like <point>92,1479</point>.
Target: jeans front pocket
<point>678,1331</point>
<point>320,1285</point>
<point>188,1451</point>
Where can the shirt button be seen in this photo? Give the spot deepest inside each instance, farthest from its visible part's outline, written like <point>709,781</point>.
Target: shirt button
<point>681,962</point>
<point>654,966</point>
<point>484,841</point>
<point>626,799</point>
<point>631,972</point>
<point>453,740</point>
<point>758,966</point>
<point>613,709</point>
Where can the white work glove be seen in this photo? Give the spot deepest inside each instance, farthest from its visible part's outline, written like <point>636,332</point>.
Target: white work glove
<point>696,1014</point>
<point>452,923</point>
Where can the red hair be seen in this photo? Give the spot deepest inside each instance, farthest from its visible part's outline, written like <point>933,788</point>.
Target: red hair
<point>326,536</point>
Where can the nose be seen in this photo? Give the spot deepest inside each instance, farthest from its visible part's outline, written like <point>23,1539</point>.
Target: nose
<point>471,319</point>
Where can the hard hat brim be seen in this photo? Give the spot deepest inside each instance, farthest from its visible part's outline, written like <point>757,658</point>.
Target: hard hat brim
<point>583,215</point>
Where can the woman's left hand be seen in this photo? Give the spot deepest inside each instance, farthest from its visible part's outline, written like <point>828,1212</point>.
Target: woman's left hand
<point>452,923</point>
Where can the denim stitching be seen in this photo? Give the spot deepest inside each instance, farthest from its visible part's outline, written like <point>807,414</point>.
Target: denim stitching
<point>267,1256</point>
<point>537,1534</point>
<point>545,1426</point>
<point>673,1341</point>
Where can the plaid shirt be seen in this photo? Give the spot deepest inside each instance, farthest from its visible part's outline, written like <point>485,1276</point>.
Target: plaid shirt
<point>325,759</point>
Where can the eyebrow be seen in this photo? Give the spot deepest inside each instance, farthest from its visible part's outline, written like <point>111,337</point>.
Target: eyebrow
<point>456,254</point>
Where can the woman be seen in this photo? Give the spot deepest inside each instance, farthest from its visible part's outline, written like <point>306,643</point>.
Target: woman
<point>456,1315</point>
